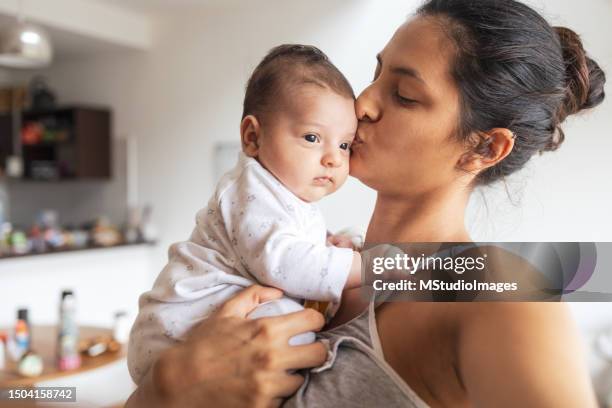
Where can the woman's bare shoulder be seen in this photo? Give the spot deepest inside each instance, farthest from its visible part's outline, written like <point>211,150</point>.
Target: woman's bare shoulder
<point>513,354</point>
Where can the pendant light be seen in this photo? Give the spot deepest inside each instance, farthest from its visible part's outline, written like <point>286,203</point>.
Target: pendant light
<point>24,45</point>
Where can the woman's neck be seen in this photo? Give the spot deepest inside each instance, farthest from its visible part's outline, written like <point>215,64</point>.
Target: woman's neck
<point>437,216</point>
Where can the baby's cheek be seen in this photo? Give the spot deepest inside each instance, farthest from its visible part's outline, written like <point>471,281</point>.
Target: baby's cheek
<point>343,175</point>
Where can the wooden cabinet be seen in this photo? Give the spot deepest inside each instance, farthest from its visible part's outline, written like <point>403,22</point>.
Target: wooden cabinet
<point>61,144</point>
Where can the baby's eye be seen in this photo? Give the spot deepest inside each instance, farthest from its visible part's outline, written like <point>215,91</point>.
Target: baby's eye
<point>311,138</point>
<point>345,146</point>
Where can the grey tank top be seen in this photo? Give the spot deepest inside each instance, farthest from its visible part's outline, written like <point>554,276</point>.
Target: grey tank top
<point>355,373</point>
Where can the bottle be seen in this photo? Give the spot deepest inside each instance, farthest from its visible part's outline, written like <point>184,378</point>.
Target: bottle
<point>22,331</point>
<point>2,353</point>
<point>121,327</point>
<point>68,357</point>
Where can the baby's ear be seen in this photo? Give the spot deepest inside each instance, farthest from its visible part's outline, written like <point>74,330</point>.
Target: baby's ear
<point>250,132</point>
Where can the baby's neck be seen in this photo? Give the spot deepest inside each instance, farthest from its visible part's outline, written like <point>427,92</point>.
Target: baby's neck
<point>433,217</point>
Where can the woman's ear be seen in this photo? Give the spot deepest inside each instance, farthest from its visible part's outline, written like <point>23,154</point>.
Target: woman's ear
<point>493,146</point>
<point>250,134</point>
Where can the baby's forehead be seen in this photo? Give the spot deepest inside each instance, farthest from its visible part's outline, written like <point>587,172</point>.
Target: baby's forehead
<point>318,107</point>
<point>299,96</point>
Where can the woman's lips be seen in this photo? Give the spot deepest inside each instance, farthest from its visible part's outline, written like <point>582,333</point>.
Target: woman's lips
<point>358,141</point>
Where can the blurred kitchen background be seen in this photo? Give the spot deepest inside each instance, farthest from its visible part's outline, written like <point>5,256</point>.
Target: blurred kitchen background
<point>117,117</point>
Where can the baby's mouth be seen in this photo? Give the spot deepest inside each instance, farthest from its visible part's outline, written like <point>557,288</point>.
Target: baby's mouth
<point>323,180</point>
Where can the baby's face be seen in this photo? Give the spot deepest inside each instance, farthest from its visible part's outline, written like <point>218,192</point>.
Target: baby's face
<point>306,145</point>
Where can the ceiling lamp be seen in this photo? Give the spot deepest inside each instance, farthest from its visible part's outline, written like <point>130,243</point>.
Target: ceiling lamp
<point>24,45</point>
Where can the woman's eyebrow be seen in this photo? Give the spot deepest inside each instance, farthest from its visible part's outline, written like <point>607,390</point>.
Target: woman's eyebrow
<point>404,71</point>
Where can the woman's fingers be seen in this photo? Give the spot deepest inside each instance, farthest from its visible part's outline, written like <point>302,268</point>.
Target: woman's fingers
<point>306,356</point>
<point>286,326</point>
<point>286,384</point>
<point>247,300</point>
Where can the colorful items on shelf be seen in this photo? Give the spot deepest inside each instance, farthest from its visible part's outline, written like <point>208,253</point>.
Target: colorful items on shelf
<point>46,235</point>
<point>19,242</point>
<point>33,133</point>
<point>105,234</point>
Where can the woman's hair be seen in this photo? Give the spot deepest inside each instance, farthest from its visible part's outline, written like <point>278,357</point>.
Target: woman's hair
<point>515,71</point>
<point>285,67</point>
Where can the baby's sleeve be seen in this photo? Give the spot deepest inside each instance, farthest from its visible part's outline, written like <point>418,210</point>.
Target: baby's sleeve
<point>276,252</point>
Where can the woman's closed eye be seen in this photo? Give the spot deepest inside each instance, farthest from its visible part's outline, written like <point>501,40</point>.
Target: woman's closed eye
<point>405,101</point>
<point>311,138</point>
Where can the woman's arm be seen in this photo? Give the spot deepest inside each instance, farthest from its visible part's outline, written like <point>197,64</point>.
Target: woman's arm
<point>523,355</point>
<point>230,361</point>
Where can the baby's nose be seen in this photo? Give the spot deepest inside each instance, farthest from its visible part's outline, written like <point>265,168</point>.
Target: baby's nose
<point>331,159</point>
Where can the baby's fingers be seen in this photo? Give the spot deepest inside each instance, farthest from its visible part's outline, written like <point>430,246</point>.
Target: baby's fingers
<point>246,301</point>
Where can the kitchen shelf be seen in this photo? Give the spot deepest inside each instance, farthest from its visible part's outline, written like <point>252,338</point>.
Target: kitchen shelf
<point>69,250</point>
<point>83,154</point>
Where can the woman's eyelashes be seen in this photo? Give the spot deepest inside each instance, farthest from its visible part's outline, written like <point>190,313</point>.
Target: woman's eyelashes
<point>403,100</point>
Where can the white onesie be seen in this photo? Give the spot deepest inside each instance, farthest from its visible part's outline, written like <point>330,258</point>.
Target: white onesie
<point>254,230</point>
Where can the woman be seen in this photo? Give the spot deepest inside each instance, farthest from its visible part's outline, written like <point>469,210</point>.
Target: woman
<point>464,94</point>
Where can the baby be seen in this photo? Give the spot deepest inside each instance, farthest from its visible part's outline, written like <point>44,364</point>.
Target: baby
<point>261,225</point>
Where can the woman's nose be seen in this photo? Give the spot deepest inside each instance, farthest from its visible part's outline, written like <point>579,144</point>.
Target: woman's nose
<point>367,106</point>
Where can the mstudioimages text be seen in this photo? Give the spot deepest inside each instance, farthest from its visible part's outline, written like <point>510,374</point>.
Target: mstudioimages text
<point>437,285</point>
<point>412,264</point>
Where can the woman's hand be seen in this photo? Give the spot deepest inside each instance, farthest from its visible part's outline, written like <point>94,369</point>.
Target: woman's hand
<point>230,361</point>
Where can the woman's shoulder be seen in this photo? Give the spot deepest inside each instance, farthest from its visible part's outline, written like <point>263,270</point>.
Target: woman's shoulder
<point>480,317</point>
<point>503,349</point>
<point>474,348</point>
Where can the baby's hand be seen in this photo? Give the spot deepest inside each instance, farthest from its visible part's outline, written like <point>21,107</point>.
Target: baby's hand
<point>341,241</point>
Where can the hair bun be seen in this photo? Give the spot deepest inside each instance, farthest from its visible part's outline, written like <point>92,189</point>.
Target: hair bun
<point>584,83</point>
<point>585,80</point>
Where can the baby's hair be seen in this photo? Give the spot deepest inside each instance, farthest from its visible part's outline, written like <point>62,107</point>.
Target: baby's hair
<point>288,66</point>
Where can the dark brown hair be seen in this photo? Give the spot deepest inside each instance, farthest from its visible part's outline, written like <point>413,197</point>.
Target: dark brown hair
<point>288,66</point>
<point>515,71</point>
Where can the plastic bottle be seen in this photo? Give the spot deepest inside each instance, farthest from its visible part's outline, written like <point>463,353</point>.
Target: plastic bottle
<point>2,353</point>
<point>68,357</point>
<point>22,331</point>
<point>121,327</point>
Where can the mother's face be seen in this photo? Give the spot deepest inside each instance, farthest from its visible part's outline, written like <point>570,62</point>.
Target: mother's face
<point>408,116</point>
